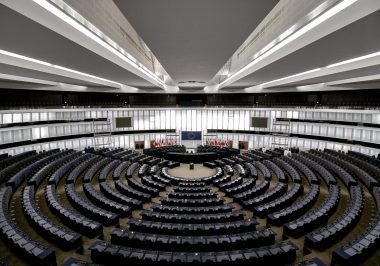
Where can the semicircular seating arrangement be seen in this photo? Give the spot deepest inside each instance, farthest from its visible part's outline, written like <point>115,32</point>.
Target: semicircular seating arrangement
<point>119,207</point>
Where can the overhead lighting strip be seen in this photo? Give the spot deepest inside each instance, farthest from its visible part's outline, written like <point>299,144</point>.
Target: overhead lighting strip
<point>368,56</point>
<point>342,63</point>
<point>290,38</point>
<point>36,61</point>
<point>292,76</point>
<point>310,16</point>
<point>119,52</point>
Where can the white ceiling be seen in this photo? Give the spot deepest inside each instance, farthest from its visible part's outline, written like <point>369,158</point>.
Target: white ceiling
<point>356,39</point>
<point>24,36</point>
<point>192,40</point>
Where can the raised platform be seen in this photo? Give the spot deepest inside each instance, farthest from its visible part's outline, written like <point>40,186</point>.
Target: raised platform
<point>191,157</point>
<point>184,171</point>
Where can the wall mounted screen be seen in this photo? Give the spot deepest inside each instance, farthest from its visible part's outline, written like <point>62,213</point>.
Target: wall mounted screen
<point>123,122</point>
<point>191,135</point>
<point>259,122</point>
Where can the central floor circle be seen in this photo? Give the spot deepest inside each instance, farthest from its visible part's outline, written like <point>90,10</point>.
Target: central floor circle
<point>184,171</point>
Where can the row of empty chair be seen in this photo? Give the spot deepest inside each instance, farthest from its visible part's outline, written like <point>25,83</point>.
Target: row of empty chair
<point>192,210</point>
<point>9,166</point>
<point>57,234</point>
<point>360,174</point>
<point>103,252</point>
<point>363,245</point>
<point>193,218</point>
<point>193,243</point>
<point>33,251</point>
<point>247,195</point>
<point>11,233</point>
<point>189,221</point>
<point>83,205</point>
<point>327,235</point>
<point>165,228</point>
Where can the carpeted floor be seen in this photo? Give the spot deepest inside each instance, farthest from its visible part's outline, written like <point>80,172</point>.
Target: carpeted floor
<point>184,171</point>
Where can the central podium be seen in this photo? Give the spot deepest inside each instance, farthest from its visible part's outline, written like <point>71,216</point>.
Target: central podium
<point>191,157</point>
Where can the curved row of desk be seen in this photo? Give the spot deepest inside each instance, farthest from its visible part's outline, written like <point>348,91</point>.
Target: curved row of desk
<point>146,215</point>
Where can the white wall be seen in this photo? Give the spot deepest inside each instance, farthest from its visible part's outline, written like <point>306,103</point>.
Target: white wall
<point>190,119</point>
